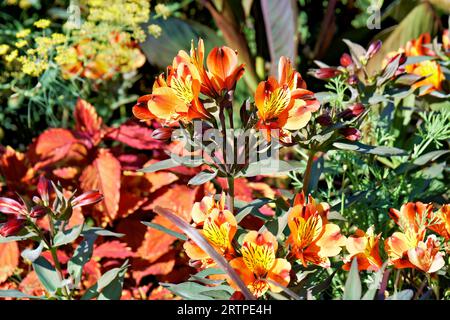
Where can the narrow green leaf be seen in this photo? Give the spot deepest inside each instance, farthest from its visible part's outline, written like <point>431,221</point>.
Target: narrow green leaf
<point>353,290</point>
<point>81,256</point>
<point>161,165</point>
<point>360,147</point>
<point>18,295</point>
<point>202,177</point>
<point>47,275</point>
<point>67,236</point>
<point>166,230</point>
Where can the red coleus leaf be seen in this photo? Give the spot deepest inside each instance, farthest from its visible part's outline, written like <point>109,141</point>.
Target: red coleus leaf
<point>31,285</point>
<point>54,144</point>
<point>113,249</point>
<point>14,166</point>
<point>129,203</point>
<point>104,175</point>
<point>162,266</point>
<point>9,259</point>
<point>135,135</point>
<point>87,120</point>
<point>134,232</point>
<point>156,243</point>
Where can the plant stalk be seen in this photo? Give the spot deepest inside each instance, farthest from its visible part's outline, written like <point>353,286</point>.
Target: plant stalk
<point>308,171</point>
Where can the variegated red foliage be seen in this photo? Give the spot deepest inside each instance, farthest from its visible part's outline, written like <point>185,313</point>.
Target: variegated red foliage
<point>92,155</point>
<point>9,260</point>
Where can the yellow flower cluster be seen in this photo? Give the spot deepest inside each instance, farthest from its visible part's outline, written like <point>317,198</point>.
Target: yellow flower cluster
<point>103,46</point>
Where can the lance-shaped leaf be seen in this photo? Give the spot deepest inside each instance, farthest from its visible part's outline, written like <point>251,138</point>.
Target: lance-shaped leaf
<point>18,295</point>
<point>81,256</point>
<point>280,22</point>
<point>109,286</point>
<point>353,290</point>
<point>196,291</point>
<point>363,148</point>
<point>67,236</point>
<point>202,177</point>
<point>32,254</point>
<point>166,230</point>
<point>160,165</point>
<point>47,275</point>
<point>205,246</point>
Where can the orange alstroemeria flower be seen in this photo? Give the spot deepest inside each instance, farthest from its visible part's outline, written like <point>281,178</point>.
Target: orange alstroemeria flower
<point>312,239</point>
<point>364,247</point>
<point>412,217</point>
<point>426,256</point>
<point>258,267</point>
<point>218,226</point>
<point>175,97</point>
<point>429,68</point>
<point>440,222</point>
<point>284,104</point>
<point>222,72</point>
<point>398,245</point>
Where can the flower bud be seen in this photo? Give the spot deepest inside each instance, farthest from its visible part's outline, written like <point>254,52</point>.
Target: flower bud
<point>12,226</point>
<point>351,134</point>
<point>87,198</point>
<point>162,134</point>
<point>38,212</point>
<point>325,73</point>
<point>346,60</point>
<point>352,111</point>
<point>374,48</point>
<point>324,120</point>
<point>43,189</point>
<point>353,80</point>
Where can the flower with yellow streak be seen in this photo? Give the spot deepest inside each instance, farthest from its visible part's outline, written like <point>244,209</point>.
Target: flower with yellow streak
<point>175,97</point>
<point>218,226</point>
<point>429,69</point>
<point>364,247</point>
<point>426,256</point>
<point>284,104</point>
<point>222,68</point>
<point>312,239</point>
<point>440,222</point>
<point>412,217</point>
<point>258,267</point>
<point>409,249</point>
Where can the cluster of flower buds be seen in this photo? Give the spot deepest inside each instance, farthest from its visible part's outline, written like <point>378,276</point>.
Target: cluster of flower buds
<point>347,115</point>
<point>20,213</point>
<point>351,65</point>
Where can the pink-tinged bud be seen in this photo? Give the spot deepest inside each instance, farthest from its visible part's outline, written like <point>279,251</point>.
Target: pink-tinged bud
<point>325,73</point>
<point>43,188</point>
<point>237,295</point>
<point>352,111</point>
<point>10,206</point>
<point>351,134</point>
<point>353,80</point>
<point>346,60</point>
<point>374,48</point>
<point>38,212</point>
<point>87,198</point>
<point>12,226</point>
<point>162,134</point>
<point>324,120</point>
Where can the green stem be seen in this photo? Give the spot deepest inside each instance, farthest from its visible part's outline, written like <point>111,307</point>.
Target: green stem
<point>230,193</point>
<point>308,171</point>
<point>58,268</point>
